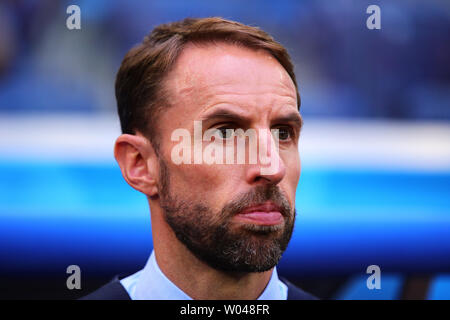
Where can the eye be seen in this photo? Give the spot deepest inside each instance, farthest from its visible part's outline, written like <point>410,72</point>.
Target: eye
<point>284,133</point>
<point>225,132</point>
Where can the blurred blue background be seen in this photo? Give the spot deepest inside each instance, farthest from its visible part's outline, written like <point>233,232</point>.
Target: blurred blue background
<point>375,149</point>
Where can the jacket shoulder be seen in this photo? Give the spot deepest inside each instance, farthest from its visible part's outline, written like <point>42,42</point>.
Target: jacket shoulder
<point>113,290</point>
<point>295,293</point>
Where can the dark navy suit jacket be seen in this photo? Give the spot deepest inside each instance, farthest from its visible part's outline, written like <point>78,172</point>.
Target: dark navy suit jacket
<point>115,291</point>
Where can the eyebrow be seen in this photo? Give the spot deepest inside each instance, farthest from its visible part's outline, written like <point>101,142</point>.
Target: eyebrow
<point>225,114</point>
<point>292,117</point>
<point>222,113</point>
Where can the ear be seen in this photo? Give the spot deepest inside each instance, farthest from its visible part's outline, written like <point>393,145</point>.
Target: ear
<point>138,162</point>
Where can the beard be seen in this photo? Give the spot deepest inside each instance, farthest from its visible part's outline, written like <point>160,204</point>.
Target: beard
<point>219,242</point>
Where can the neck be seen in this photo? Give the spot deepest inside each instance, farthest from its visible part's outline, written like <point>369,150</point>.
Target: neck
<point>194,277</point>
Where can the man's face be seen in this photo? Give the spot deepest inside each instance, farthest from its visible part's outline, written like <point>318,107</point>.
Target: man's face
<point>231,216</point>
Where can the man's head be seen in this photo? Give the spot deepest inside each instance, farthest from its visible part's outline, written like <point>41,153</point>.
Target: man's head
<point>224,75</point>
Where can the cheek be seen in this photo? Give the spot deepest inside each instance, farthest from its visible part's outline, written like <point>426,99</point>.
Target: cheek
<point>212,185</point>
<point>201,177</point>
<point>293,170</point>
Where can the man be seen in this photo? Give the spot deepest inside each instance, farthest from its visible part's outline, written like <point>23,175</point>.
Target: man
<point>219,229</point>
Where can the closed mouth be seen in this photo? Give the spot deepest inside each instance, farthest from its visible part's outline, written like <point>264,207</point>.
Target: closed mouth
<point>266,213</point>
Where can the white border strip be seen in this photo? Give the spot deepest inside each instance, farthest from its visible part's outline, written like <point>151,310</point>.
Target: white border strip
<point>376,144</point>
<point>329,143</point>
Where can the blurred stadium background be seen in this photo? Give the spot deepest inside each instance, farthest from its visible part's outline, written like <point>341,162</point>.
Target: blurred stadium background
<point>375,185</point>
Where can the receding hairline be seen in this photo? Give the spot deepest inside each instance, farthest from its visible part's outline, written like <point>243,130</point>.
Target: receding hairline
<point>171,74</point>
<point>146,66</point>
<point>167,94</point>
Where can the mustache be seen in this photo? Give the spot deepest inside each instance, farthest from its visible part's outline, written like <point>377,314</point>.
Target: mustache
<point>257,196</point>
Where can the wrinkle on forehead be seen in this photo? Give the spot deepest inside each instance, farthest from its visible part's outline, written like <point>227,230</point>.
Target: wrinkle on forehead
<point>206,71</point>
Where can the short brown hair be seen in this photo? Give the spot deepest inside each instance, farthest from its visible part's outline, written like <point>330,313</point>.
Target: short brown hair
<point>139,90</point>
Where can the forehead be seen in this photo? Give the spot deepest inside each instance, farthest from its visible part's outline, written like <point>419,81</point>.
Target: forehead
<point>212,70</point>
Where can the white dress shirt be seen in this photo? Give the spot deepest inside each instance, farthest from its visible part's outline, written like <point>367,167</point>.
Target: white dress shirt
<point>151,284</point>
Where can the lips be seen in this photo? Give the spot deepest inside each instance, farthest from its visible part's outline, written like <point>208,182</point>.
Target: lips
<point>263,214</point>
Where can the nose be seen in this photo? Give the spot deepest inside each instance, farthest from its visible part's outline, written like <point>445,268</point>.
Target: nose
<point>269,168</point>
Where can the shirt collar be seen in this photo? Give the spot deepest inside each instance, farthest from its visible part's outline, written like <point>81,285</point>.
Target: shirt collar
<point>150,283</point>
